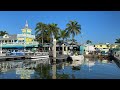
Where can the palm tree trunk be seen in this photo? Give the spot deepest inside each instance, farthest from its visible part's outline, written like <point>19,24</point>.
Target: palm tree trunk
<point>63,46</point>
<point>72,41</point>
<point>42,38</point>
<point>63,40</point>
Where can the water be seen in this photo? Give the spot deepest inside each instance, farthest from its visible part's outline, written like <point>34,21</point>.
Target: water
<point>45,69</point>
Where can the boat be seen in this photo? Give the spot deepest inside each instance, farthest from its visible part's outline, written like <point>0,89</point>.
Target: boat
<point>40,56</point>
<point>15,53</point>
<point>77,62</point>
<point>36,59</point>
<point>104,61</point>
<point>77,57</point>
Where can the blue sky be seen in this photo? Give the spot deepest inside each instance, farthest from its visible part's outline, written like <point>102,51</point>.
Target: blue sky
<point>97,26</point>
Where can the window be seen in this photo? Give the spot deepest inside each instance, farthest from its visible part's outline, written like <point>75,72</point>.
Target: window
<point>104,48</point>
<point>94,45</point>
<point>100,45</point>
<point>107,45</point>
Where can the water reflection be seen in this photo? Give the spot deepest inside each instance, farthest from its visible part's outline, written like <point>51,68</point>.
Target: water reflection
<point>23,69</point>
<point>24,73</point>
<point>45,69</point>
<point>54,71</point>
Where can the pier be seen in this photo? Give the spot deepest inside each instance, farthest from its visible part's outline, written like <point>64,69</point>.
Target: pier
<point>2,58</point>
<point>59,57</point>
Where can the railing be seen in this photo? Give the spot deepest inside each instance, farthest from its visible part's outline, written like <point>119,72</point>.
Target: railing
<point>20,43</point>
<point>25,35</point>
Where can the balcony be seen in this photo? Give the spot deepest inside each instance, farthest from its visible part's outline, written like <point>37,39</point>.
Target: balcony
<point>15,44</point>
<point>25,35</point>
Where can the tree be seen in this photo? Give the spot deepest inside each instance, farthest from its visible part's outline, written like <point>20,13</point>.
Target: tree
<point>63,34</point>
<point>2,33</point>
<point>117,40</point>
<point>53,29</point>
<point>88,41</point>
<point>73,28</point>
<point>40,30</point>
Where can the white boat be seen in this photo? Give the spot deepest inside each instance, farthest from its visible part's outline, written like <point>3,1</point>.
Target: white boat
<point>40,57</point>
<point>77,62</point>
<point>104,61</point>
<point>77,57</point>
<point>35,59</point>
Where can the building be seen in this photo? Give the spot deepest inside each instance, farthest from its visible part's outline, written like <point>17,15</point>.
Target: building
<point>8,39</point>
<point>19,41</point>
<point>26,36</point>
<point>116,45</point>
<point>87,49</point>
<point>103,47</point>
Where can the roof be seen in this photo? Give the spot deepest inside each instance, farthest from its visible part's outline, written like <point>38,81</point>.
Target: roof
<point>102,44</point>
<point>11,37</point>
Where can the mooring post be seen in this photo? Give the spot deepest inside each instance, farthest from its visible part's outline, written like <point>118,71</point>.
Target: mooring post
<point>54,50</point>
<point>63,49</point>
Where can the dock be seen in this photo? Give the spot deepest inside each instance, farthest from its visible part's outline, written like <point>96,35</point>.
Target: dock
<point>59,57</point>
<point>117,58</point>
<point>4,58</point>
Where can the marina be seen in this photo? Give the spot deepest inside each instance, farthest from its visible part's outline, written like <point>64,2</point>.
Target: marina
<point>59,47</point>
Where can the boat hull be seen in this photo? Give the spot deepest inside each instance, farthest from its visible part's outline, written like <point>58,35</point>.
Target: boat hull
<point>39,57</point>
<point>79,57</point>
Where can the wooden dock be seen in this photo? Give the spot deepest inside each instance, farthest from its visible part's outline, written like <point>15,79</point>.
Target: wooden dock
<point>11,57</point>
<point>59,57</point>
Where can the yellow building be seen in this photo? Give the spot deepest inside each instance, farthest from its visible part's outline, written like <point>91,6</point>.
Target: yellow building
<point>102,46</point>
<point>115,46</point>
<point>26,36</point>
<point>106,47</point>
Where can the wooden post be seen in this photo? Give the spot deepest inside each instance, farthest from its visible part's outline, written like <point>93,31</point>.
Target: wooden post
<point>1,48</point>
<point>54,49</point>
<point>63,49</point>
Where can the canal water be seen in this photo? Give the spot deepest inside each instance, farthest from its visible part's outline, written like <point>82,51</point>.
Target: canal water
<point>45,69</point>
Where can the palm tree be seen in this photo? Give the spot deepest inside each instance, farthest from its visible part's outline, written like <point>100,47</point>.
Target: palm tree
<point>88,41</point>
<point>2,33</point>
<point>63,34</point>
<point>117,40</point>
<point>73,28</point>
<point>53,29</point>
<point>40,30</point>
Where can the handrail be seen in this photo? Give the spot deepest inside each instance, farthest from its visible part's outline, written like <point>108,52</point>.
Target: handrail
<point>18,43</point>
<point>24,35</point>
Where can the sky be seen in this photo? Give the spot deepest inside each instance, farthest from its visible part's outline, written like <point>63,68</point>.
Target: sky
<point>97,26</point>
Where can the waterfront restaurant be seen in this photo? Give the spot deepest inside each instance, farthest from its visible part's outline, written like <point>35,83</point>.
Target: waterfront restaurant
<point>19,41</point>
